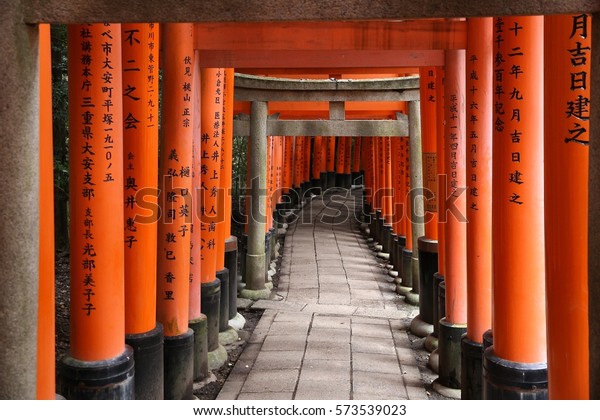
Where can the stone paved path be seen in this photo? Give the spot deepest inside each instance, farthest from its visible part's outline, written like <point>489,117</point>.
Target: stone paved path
<point>336,328</point>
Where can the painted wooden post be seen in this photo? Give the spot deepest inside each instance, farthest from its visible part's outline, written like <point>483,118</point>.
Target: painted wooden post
<point>96,192</point>
<point>399,196</point>
<point>176,202</point>
<point>515,365</point>
<point>340,162</point>
<point>316,165</point>
<point>348,163</point>
<point>479,202</point>
<point>140,45</point>
<point>566,155</point>
<point>453,325</point>
<point>330,160</point>
<point>197,320</point>
<point>356,160</point>
<point>235,319</point>
<point>211,207</point>
<point>46,376</point>
<point>427,247</point>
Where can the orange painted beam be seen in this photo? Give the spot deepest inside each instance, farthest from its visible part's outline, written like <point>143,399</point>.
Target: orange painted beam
<point>316,59</point>
<point>321,72</point>
<point>366,35</point>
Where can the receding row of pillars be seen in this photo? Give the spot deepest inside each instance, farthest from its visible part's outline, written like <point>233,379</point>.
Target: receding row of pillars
<point>500,171</point>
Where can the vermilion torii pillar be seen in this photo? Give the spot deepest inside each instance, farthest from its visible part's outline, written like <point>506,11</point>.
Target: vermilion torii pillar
<point>399,204</point>
<point>46,376</point>
<point>515,365</point>
<point>348,163</point>
<point>140,45</point>
<point>316,164</point>
<point>255,256</point>
<point>567,62</point>
<point>98,352</point>
<point>479,202</point>
<point>197,320</point>
<point>422,325</point>
<point>340,162</point>
<point>173,274</point>
<point>322,153</point>
<point>211,209</point>
<point>453,325</point>
<point>330,162</point>
<point>236,320</point>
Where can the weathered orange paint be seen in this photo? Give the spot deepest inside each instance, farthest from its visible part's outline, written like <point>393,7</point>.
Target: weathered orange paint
<point>479,177</point>
<point>454,151</point>
<point>566,156</point>
<point>357,155</point>
<point>429,148</point>
<point>176,175</point>
<point>96,192</point>
<point>347,155</point>
<point>211,204</point>
<point>45,387</point>
<point>440,161</point>
<point>330,155</point>
<point>388,198</point>
<point>140,171</point>
<point>519,307</point>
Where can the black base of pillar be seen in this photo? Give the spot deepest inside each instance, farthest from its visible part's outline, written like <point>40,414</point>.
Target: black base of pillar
<point>330,180</point>
<point>471,365</point>
<point>231,252</point>
<point>200,326</point>
<point>242,250</point>
<point>315,186</point>
<point>394,250</point>
<point>488,339</point>
<point>356,178</point>
<point>449,347</point>
<point>428,266</point>
<point>223,277</point>
<point>267,253</point>
<point>508,380</point>
<point>210,303</point>
<point>179,366</point>
<point>148,353</point>
<point>111,379</point>
<point>387,238</point>
<point>441,301</point>
<point>407,268</point>
<point>272,246</point>
<point>347,181</point>
<point>323,182</point>
<point>372,224</point>
<point>339,180</point>
<point>399,250</point>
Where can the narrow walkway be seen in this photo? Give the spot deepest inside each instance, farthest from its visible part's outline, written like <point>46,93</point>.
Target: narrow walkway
<point>338,330</point>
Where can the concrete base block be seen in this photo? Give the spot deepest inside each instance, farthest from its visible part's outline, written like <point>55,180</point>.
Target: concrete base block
<point>434,361</point>
<point>217,357</point>
<point>411,298</point>
<point>383,255</point>
<point>393,274</point>
<point>431,343</point>
<point>237,322</point>
<point>445,391</point>
<point>228,336</point>
<point>255,294</point>
<point>420,328</point>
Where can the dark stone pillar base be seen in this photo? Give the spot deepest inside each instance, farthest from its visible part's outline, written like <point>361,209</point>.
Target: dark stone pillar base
<point>223,277</point>
<point>387,238</point>
<point>406,286</point>
<point>471,366</point>
<point>210,304</point>
<point>148,354</point>
<point>347,181</point>
<point>179,366</point>
<point>356,178</point>
<point>231,261</point>
<point>330,180</point>
<point>315,186</point>
<point>267,253</point>
<point>243,250</point>
<point>111,379</point>
<point>339,180</point>
<point>508,380</point>
<point>428,266</point>
<point>488,339</point>
<point>273,248</point>
<point>450,336</point>
<point>200,328</point>
<point>401,239</point>
<point>323,182</point>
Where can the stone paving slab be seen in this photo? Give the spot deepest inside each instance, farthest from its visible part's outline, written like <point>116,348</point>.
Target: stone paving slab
<point>337,329</point>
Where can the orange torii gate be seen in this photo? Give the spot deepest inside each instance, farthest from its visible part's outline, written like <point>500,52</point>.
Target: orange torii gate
<point>20,132</point>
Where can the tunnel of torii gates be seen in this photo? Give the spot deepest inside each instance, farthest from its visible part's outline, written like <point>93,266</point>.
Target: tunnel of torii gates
<point>469,136</point>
